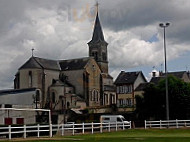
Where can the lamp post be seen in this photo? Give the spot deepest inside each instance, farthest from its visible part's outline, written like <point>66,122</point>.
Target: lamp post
<point>164,25</point>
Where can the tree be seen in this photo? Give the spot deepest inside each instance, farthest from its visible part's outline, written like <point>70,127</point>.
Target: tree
<point>152,104</point>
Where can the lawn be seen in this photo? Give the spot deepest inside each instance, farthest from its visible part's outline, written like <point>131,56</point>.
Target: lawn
<point>151,135</point>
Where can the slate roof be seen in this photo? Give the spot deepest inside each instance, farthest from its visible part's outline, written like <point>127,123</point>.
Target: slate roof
<point>156,80</point>
<point>16,91</point>
<point>178,74</point>
<point>36,62</point>
<point>97,33</point>
<point>128,77</point>
<point>141,86</point>
<point>74,64</point>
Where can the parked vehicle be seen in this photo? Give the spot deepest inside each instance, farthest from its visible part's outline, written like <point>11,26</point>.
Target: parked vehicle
<point>113,119</point>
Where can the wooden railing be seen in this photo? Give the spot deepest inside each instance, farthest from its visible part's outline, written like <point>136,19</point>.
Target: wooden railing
<point>64,129</point>
<point>167,124</point>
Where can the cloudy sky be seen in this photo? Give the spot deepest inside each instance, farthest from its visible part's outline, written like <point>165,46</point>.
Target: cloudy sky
<point>60,29</point>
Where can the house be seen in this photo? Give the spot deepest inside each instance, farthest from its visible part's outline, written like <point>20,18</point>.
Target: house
<point>126,83</point>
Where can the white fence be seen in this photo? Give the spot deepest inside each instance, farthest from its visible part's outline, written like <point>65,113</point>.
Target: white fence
<point>64,129</point>
<point>167,124</point>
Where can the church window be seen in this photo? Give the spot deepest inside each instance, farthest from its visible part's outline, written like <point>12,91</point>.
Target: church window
<point>30,78</point>
<point>37,95</point>
<point>95,55</point>
<point>53,97</point>
<point>95,95</point>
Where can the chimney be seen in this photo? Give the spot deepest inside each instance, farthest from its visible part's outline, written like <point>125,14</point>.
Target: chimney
<point>160,73</point>
<point>153,74</point>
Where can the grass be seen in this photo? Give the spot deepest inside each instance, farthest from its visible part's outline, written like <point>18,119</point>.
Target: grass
<point>150,135</point>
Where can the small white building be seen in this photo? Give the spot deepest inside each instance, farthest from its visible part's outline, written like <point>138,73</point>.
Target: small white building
<point>19,98</point>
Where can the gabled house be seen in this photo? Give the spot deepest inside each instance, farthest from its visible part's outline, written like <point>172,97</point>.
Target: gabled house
<point>126,83</point>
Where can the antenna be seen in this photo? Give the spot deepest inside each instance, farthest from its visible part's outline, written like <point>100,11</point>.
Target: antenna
<point>161,67</point>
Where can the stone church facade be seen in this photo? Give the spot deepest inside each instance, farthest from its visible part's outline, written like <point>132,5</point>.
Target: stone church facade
<point>75,83</point>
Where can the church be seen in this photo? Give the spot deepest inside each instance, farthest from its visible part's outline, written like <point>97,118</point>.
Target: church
<point>71,84</point>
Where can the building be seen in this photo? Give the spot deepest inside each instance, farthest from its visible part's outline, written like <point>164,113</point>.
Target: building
<point>183,75</point>
<point>19,98</point>
<point>74,83</point>
<point>126,83</point>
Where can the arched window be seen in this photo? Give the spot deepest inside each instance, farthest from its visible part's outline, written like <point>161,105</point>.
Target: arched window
<point>93,95</point>
<point>104,57</point>
<point>95,55</point>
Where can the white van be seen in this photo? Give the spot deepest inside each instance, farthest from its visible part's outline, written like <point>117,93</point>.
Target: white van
<point>113,119</point>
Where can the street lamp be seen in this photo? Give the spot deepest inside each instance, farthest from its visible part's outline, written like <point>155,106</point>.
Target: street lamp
<point>164,25</point>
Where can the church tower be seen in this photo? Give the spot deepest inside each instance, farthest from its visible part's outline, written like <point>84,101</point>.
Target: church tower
<point>98,46</point>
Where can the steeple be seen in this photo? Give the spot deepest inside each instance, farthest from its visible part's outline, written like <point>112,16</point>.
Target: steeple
<point>97,33</point>
<point>98,46</point>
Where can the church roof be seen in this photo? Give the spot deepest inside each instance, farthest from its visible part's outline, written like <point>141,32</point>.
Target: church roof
<point>16,91</point>
<point>73,64</point>
<point>36,62</point>
<point>98,33</point>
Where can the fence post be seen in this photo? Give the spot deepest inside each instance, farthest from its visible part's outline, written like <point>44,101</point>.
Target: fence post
<point>116,126</point>
<point>123,126</point>
<point>109,127</point>
<point>83,128</point>
<point>177,123</point>
<point>130,125</point>
<point>160,124</point>
<point>73,128</point>
<point>38,127</point>
<point>62,130</point>
<point>92,128</point>
<point>9,132</point>
<point>50,130</point>
<point>145,124</point>
<point>101,127</point>
<point>25,131</point>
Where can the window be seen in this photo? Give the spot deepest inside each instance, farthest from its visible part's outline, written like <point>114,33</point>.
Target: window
<point>113,99</point>
<point>120,102</point>
<point>117,89</point>
<point>8,106</point>
<point>104,57</point>
<point>95,95</point>
<point>119,120</point>
<point>53,97</point>
<point>95,55</point>
<point>30,79</point>
<point>37,95</point>
<point>129,102</point>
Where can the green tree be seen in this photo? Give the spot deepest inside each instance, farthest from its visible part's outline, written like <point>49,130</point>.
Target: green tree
<point>152,104</point>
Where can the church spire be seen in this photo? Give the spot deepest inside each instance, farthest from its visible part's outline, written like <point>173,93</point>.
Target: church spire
<point>98,46</point>
<point>97,33</point>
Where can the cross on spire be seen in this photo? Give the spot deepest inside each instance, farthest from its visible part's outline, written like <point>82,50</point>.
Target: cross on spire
<point>32,51</point>
<point>97,4</point>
